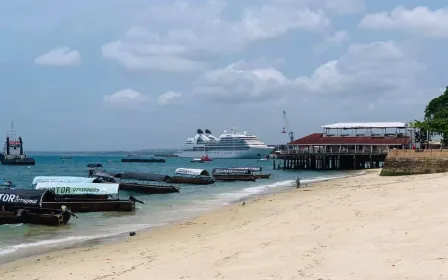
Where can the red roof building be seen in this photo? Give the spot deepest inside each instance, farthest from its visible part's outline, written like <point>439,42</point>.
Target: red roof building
<point>320,139</point>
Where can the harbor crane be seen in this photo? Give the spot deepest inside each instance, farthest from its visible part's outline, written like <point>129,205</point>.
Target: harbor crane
<point>286,128</point>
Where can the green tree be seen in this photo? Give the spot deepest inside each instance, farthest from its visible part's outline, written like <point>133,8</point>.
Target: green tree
<point>436,118</point>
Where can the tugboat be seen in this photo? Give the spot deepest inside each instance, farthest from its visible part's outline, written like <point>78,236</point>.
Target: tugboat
<point>13,151</point>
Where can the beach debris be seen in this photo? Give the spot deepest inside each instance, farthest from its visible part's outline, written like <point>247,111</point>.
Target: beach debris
<point>132,233</point>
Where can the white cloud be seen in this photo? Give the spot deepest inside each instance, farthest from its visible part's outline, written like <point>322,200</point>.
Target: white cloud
<point>366,69</point>
<point>149,57</point>
<point>420,20</point>
<point>336,39</point>
<point>62,56</point>
<point>168,97</point>
<point>127,98</point>
<point>176,37</point>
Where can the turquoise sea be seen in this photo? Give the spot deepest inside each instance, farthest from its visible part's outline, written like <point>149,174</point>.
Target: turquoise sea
<point>21,240</point>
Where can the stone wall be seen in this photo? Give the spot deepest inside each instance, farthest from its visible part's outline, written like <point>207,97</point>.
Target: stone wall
<point>408,162</point>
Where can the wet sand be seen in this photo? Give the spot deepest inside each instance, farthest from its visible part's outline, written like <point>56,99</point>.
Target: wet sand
<point>363,227</point>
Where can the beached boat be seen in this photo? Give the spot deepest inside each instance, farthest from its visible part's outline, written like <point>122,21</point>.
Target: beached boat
<point>19,206</point>
<point>256,171</point>
<point>228,174</point>
<point>146,183</point>
<point>192,176</point>
<point>87,197</point>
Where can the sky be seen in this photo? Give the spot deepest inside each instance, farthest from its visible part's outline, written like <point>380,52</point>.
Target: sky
<point>138,74</point>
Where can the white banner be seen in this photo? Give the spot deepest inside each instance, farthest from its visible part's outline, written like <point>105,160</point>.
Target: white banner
<point>79,188</point>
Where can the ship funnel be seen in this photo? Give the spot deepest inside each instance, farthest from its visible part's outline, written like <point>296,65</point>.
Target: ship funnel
<point>199,131</point>
<point>207,131</point>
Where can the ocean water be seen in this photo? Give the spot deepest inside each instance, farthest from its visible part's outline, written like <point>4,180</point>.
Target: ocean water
<point>22,240</point>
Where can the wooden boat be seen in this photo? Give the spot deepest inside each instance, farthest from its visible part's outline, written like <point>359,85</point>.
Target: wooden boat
<point>143,160</point>
<point>192,176</point>
<point>256,171</point>
<point>26,206</point>
<point>228,174</point>
<point>87,197</point>
<point>142,183</point>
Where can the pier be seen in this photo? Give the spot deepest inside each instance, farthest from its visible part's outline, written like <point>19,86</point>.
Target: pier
<point>345,146</point>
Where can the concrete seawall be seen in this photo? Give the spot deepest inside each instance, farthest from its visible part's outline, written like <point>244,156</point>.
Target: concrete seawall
<point>409,162</point>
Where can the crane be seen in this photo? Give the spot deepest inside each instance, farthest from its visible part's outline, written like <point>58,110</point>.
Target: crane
<point>286,128</point>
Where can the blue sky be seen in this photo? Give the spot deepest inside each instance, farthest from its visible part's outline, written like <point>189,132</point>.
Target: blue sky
<point>105,75</point>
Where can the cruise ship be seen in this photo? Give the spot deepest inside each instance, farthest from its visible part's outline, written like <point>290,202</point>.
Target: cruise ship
<point>229,145</point>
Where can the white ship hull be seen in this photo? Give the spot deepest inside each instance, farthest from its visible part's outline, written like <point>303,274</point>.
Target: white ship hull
<point>252,153</point>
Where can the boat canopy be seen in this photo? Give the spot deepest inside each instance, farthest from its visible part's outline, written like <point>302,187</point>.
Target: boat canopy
<point>103,174</point>
<point>79,188</point>
<point>94,165</point>
<point>23,197</point>
<point>142,176</point>
<point>192,171</point>
<point>219,171</point>
<point>61,179</point>
<point>253,169</point>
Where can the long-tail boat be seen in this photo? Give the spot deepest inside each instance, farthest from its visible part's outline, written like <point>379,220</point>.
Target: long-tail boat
<point>192,176</point>
<point>29,207</point>
<point>228,174</point>
<point>61,179</point>
<point>146,183</point>
<point>256,171</point>
<point>87,197</point>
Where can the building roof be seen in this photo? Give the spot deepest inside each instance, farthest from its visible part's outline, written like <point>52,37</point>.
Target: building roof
<point>318,139</point>
<point>366,125</point>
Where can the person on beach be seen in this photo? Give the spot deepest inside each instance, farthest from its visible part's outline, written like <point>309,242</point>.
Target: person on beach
<point>298,182</point>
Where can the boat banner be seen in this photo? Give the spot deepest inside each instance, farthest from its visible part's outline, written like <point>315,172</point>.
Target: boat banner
<point>253,169</point>
<point>21,198</point>
<point>191,171</point>
<point>61,179</point>
<point>79,188</point>
<point>230,171</point>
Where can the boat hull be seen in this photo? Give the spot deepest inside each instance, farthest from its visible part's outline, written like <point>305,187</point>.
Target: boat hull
<point>47,217</point>
<point>232,178</point>
<point>192,181</point>
<point>263,176</point>
<point>25,161</point>
<point>147,189</point>
<point>85,206</point>
<point>252,153</point>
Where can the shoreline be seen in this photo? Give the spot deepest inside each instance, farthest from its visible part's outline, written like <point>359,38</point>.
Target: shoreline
<point>119,237</point>
<point>358,227</point>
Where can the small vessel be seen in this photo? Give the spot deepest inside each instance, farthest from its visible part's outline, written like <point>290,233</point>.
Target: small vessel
<point>229,174</point>
<point>5,184</point>
<point>145,183</point>
<point>13,151</point>
<point>87,197</point>
<point>26,206</point>
<point>192,176</point>
<point>256,171</point>
<point>142,159</point>
<point>230,145</point>
<point>202,159</point>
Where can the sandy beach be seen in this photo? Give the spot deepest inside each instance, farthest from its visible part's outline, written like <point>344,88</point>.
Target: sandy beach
<point>363,227</point>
